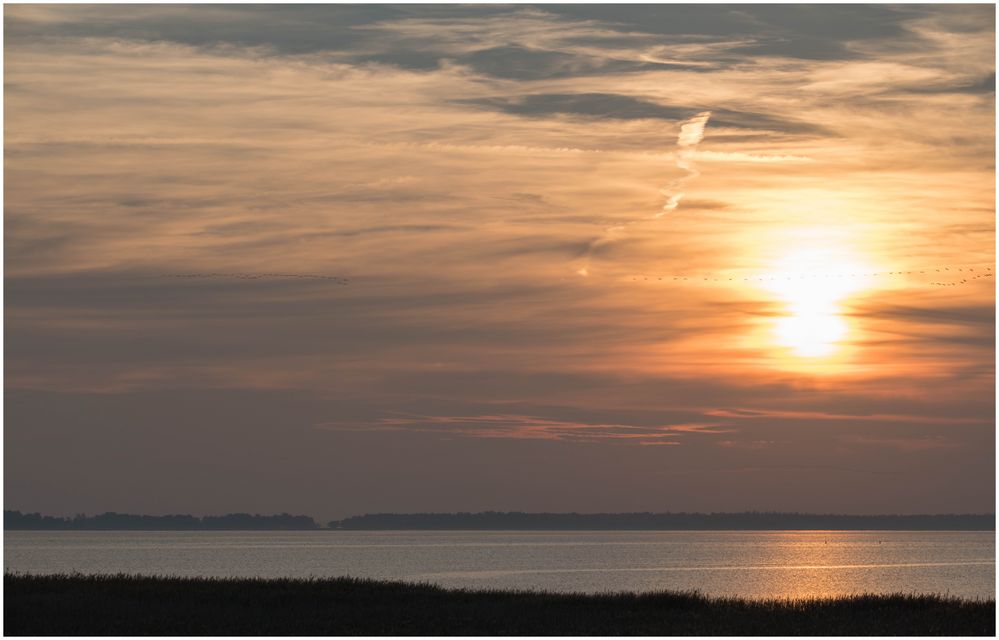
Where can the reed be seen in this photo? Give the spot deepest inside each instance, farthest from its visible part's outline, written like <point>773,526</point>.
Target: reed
<point>78,604</point>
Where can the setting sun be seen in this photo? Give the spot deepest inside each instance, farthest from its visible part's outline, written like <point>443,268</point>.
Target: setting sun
<point>812,284</point>
<point>812,333</point>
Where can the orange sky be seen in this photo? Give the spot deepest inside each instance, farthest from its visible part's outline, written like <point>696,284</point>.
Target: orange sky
<point>492,182</point>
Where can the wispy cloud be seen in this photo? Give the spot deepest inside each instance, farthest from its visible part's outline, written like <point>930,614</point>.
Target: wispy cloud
<point>255,276</point>
<point>757,414</point>
<point>521,427</point>
<point>911,444</point>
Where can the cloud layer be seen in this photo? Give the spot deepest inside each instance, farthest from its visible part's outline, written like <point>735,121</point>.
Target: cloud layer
<point>454,165</point>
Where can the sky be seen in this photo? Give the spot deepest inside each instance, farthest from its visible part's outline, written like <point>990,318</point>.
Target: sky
<point>352,259</point>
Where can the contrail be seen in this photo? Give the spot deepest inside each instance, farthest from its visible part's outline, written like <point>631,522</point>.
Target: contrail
<point>691,134</point>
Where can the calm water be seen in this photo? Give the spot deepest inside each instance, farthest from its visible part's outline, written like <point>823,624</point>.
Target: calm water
<point>736,563</point>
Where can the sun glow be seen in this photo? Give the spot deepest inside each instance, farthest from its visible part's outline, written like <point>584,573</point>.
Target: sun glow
<point>811,333</point>
<point>813,283</point>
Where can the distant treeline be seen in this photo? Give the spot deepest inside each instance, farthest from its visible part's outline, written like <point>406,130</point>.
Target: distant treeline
<point>509,521</point>
<point>752,520</point>
<point>125,521</point>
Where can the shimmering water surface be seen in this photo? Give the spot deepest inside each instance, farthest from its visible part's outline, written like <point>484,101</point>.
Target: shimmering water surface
<point>730,563</point>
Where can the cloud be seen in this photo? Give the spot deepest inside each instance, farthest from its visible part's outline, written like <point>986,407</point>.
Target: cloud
<point>625,107</point>
<point>521,63</point>
<point>909,445</point>
<point>984,85</point>
<point>255,276</point>
<point>762,414</point>
<point>720,156</point>
<point>533,428</point>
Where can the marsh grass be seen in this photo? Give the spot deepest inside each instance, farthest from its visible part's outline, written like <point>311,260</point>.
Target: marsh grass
<point>78,604</point>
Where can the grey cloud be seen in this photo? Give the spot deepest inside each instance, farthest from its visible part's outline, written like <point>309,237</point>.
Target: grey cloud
<point>415,60</point>
<point>531,199</point>
<point>142,318</point>
<point>356,32</point>
<point>286,29</point>
<point>811,32</point>
<point>240,228</point>
<point>803,48</point>
<point>394,228</point>
<point>623,107</point>
<point>965,332</point>
<point>985,85</point>
<point>521,63</point>
<point>922,339</point>
<point>517,247</point>
<point>514,62</point>
<point>562,220</point>
<point>974,315</point>
<point>964,18</point>
<point>705,204</point>
<point>593,105</point>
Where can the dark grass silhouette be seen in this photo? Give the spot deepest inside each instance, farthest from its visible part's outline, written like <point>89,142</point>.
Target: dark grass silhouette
<point>135,605</point>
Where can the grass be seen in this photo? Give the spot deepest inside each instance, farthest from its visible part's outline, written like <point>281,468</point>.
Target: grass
<point>77,604</point>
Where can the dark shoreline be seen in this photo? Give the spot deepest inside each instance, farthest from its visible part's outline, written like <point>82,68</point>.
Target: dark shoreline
<point>745,521</point>
<point>508,521</point>
<point>146,605</point>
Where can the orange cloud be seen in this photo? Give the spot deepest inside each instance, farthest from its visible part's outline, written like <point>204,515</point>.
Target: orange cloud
<point>521,427</point>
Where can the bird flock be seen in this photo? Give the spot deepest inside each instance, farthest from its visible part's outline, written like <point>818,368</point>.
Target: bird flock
<point>968,274</point>
<point>961,275</point>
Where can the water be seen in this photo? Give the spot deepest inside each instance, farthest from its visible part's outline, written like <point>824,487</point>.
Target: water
<point>721,563</point>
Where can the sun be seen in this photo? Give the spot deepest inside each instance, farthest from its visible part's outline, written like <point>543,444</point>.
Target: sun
<point>811,334</point>
<point>812,283</point>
